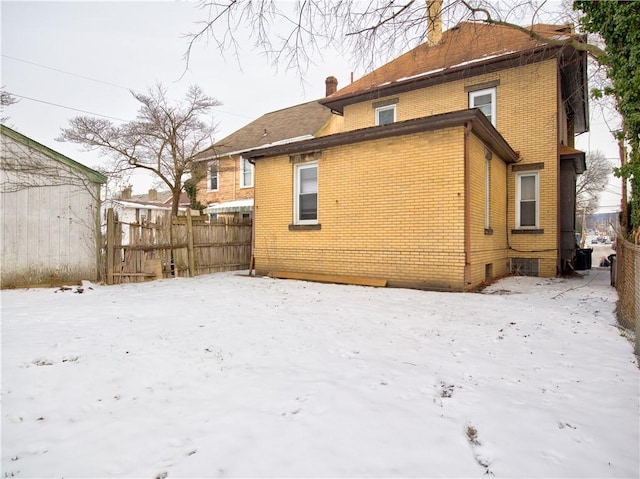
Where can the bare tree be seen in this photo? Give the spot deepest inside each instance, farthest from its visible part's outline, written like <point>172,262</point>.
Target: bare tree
<point>6,99</point>
<point>590,184</point>
<point>163,139</point>
<point>292,34</point>
<point>22,168</point>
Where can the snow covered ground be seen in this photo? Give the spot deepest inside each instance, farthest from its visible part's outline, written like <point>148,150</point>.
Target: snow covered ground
<point>230,376</point>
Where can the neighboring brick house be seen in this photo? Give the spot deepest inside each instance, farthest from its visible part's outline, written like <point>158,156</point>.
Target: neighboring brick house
<point>423,190</point>
<point>228,187</point>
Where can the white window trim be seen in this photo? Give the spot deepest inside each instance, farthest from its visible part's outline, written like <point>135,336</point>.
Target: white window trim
<point>492,91</point>
<point>519,176</point>
<point>242,185</point>
<point>385,108</point>
<point>296,189</point>
<point>209,176</point>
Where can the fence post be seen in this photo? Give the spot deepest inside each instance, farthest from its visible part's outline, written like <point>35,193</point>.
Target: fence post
<point>190,247</point>
<point>110,244</point>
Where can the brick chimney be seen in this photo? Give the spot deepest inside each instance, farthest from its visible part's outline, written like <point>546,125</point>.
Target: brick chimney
<point>153,195</point>
<point>434,22</point>
<point>126,193</point>
<point>332,85</point>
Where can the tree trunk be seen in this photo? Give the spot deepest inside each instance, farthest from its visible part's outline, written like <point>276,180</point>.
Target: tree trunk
<point>175,193</point>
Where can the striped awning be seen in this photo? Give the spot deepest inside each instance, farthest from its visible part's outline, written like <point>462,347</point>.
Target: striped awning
<point>235,206</point>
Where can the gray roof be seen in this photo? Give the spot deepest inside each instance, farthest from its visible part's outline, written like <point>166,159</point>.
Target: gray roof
<point>281,125</point>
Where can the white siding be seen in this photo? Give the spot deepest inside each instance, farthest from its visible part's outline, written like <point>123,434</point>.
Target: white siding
<point>49,220</point>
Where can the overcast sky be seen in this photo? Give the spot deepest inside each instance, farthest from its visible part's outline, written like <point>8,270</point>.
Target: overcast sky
<point>61,57</point>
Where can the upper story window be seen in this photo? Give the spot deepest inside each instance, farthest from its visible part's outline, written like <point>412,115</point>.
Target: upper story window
<point>486,101</point>
<point>528,200</point>
<point>306,193</point>
<point>385,115</point>
<point>213,174</point>
<point>246,173</point>
<point>142,215</point>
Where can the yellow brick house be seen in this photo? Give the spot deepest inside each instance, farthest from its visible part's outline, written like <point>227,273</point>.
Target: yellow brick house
<point>455,166</point>
<point>227,188</point>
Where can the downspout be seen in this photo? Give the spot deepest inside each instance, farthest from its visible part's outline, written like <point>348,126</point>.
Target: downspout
<point>236,181</point>
<point>560,213</point>
<point>559,210</point>
<point>253,219</point>
<point>467,206</point>
<point>98,234</point>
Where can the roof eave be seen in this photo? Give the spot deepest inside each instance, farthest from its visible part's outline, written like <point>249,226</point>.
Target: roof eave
<point>480,124</point>
<point>91,174</point>
<point>522,57</point>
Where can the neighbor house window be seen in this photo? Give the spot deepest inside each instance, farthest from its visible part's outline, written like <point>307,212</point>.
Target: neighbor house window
<point>485,100</point>
<point>246,173</point>
<point>385,115</point>
<point>213,180</point>
<point>527,200</point>
<point>306,194</point>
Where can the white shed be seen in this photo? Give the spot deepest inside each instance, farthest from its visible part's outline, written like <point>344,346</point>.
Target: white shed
<point>50,215</point>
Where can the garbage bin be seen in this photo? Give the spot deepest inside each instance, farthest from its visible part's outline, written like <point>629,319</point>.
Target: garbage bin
<point>583,258</point>
<point>614,269</point>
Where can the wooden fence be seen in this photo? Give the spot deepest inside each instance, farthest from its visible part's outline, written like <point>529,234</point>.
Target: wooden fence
<point>182,246</point>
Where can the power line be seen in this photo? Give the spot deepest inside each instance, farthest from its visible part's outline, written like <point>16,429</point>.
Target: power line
<point>69,73</point>
<point>84,77</point>
<point>66,107</point>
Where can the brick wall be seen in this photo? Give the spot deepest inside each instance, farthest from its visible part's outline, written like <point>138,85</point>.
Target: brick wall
<point>228,184</point>
<point>488,245</point>
<point>527,102</point>
<point>391,208</point>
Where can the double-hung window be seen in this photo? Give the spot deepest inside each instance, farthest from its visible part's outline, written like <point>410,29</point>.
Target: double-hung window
<point>212,175</point>
<point>246,173</point>
<point>528,200</point>
<point>385,115</point>
<point>306,193</point>
<point>485,100</point>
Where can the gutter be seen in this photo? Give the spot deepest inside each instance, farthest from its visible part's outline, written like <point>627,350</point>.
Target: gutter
<point>454,72</point>
<point>216,156</point>
<point>482,128</point>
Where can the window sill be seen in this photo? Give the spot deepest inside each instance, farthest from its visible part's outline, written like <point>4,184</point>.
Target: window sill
<point>304,227</point>
<point>245,187</point>
<point>531,231</point>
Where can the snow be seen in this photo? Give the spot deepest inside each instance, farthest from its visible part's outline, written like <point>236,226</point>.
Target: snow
<point>226,375</point>
<point>284,141</point>
<point>451,67</point>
